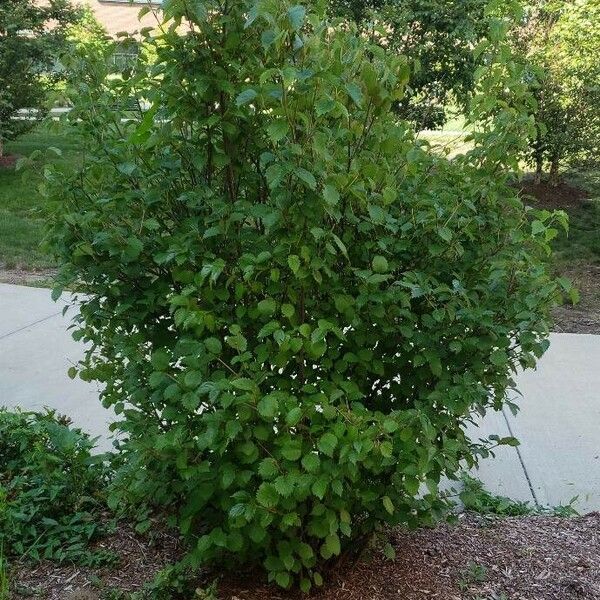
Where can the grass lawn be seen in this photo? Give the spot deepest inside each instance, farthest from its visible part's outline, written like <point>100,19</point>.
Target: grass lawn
<point>21,224</point>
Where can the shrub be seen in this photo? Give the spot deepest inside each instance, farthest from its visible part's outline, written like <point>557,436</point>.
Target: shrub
<point>49,488</point>
<point>293,304</point>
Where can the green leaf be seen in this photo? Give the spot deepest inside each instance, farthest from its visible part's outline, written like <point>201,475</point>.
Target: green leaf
<point>294,416</point>
<point>268,407</point>
<point>390,425</point>
<point>267,306</point>
<point>332,543</point>
<point>537,227</point>
<point>331,195</point>
<point>160,360</point>
<point>296,15</point>
<point>388,504</point>
<point>311,462</point>
<point>277,130</point>
<point>380,264</point>
<point>355,93</point>
<point>294,263</point>
<point>243,383</point>
<point>267,495</point>
<point>238,342</point>
<point>499,358</point>
<point>327,443</point>
<point>283,579</point>
<point>292,450</point>
<point>287,310</point>
<point>386,449</point>
<point>245,97</point>
<point>445,233</point>
<point>389,552</point>
<point>319,487</point>
<point>213,345</point>
<point>268,468</point>
<point>307,177</point>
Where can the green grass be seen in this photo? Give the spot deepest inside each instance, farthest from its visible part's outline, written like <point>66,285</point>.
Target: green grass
<point>582,244</point>
<point>21,223</point>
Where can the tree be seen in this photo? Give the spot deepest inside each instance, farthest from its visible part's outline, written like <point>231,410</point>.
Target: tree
<point>31,37</point>
<point>438,36</point>
<point>293,304</point>
<point>561,40</point>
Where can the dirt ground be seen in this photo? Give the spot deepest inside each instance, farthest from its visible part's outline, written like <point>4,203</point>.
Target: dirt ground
<point>480,558</point>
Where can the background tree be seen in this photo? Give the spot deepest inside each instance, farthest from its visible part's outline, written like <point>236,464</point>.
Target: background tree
<point>32,35</point>
<point>561,41</point>
<point>438,36</point>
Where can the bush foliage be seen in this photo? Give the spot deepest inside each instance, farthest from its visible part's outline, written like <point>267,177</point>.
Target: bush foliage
<point>50,488</point>
<point>293,304</point>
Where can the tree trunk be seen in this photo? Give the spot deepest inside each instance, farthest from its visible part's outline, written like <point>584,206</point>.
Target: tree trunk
<point>539,169</point>
<point>538,155</point>
<point>554,166</point>
<point>1,146</point>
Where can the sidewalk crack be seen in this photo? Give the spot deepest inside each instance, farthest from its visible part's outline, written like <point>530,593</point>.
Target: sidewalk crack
<point>520,456</point>
<point>2,337</point>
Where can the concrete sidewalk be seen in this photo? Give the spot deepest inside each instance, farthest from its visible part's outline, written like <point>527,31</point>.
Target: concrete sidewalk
<point>36,350</point>
<point>559,422</point>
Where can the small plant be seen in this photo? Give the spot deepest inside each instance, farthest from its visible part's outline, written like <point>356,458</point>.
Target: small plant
<point>50,488</point>
<point>474,573</point>
<point>477,499</point>
<point>3,576</point>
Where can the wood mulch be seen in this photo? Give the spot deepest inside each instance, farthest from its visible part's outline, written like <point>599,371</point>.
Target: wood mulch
<point>552,197</point>
<point>480,558</point>
<point>139,559</point>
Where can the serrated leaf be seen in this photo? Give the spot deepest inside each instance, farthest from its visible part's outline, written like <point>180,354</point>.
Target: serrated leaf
<point>267,495</point>
<point>268,407</point>
<point>160,360</point>
<point>268,468</point>
<point>267,306</point>
<point>327,443</point>
<point>311,462</point>
<point>307,177</point>
<point>213,345</point>
<point>380,264</point>
<point>277,130</point>
<point>294,416</point>
<point>243,383</point>
<point>294,263</point>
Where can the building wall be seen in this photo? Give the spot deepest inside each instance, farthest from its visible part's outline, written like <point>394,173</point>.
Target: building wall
<point>117,15</point>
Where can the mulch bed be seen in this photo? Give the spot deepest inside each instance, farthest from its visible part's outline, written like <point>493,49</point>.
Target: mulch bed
<point>520,558</point>
<point>560,196</point>
<point>584,317</point>
<point>140,559</point>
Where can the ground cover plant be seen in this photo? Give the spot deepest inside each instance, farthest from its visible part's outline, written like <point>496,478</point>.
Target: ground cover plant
<point>294,305</point>
<point>51,489</point>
